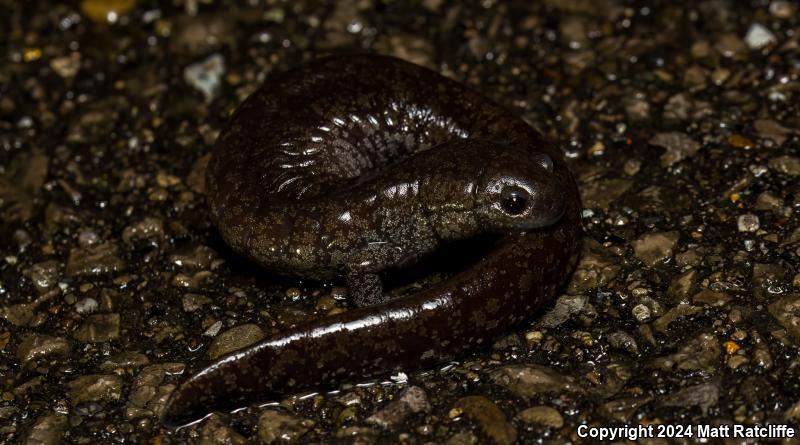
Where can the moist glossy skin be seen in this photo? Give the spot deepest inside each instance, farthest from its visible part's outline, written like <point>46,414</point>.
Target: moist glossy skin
<point>351,165</point>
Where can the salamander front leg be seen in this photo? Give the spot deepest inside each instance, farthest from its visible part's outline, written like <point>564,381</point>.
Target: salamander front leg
<point>365,289</point>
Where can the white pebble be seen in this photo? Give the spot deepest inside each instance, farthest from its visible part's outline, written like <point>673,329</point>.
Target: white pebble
<point>747,222</point>
<point>205,75</point>
<point>758,36</point>
<point>641,312</point>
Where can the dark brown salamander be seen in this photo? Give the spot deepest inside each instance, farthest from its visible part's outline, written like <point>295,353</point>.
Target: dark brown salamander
<point>354,164</point>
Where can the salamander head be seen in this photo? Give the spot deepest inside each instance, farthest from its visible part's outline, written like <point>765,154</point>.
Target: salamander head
<point>523,194</point>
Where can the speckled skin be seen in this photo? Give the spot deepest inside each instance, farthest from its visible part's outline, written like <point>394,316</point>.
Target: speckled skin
<point>354,164</point>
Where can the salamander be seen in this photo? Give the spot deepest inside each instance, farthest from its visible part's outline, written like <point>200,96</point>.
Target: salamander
<point>352,165</point>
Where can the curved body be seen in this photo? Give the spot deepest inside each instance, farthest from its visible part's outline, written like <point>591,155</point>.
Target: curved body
<point>351,165</point>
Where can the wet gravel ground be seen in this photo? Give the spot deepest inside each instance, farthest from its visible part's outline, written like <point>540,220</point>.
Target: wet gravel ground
<point>681,123</point>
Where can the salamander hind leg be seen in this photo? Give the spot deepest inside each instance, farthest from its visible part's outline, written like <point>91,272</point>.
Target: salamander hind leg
<point>365,289</point>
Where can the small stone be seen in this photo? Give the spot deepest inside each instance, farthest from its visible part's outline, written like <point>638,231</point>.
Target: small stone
<point>205,75</point>
<point>86,306</point>
<point>95,388</point>
<point>235,338</point>
<point>215,431</point>
<point>542,415</point>
<point>194,302</point>
<point>148,396</point>
<point>678,146</point>
<point>47,430</point>
<point>529,380</point>
<point>730,45</point>
<point>35,346</point>
<point>681,286</point>
<point>623,341</point>
<point>98,328</point>
<point>786,311</point>
<point>641,313</point>
<point>747,223</point>
<point>788,165</point>
<point>94,260</point>
<point>739,141</point>
<point>782,9</point>
<point>125,360</point>
<point>704,396</point>
<point>655,248</point>
<point>709,297</point>
<point>199,257</point>
<point>771,130</point>
<point>631,166</point>
<point>491,419</point>
<point>565,307</point>
<point>147,232</point>
<point>44,275</point>
<point>67,66</point>
<point>275,426</point>
<point>702,353</point>
<point>677,312</point>
<point>768,201</point>
<point>106,11</point>
<point>412,400</point>
<point>758,37</point>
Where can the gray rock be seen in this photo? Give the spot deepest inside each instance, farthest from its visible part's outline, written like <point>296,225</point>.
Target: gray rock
<point>788,165</point>
<point>678,146</point>
<point>98,328</point>
<point>148,396</point>
<point>491,419</point>
<point>702,353</point>
<point>412,400</point>
<point>44,275</point>
<point>623,341</point>
<point>47,430</point>
<point>655,248</point>
<point>94,260</point>
<point>95,388</point>
<point>704,396</point>
<point>205,75</point>
<point>566,306</point>
<point>275,426</point>
<point>786,311</point>
<point>35,346</point>
<point>542,415</point>
<point>235,338</point>
<point>529,380</point>
<point>215,431</point>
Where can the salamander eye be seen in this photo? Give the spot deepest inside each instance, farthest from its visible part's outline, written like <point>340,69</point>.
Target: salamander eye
<point>514,201</point>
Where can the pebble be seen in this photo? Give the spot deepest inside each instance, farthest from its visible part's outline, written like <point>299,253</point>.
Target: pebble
<point>772,130</point>
<point>147,232</point>
<point>36,346</point>
<point>86,305</point>
<point>233,339</point>
<point>641,313</point>
<point>730,45</point>
<point>747,222</point>
<point>788,165</point>
<point>194,302</point>
<point>530,380</point>
<point>758,37</point>
<point>199,257</point>
<point>48,430</point>
<point>491,419</point>
<point>710,297</point>
<point>276,426</point>
<point>98,328</point>
<point>768,201</point>
<point>94,260</point>
<point>205,76</point>
<point>782,9</point>
<point>44,275</point>
<point>412,400</point>
<point>622,410</point>
<point>106,11</point>
<point>701,353</point>
<point>125,360</point>
<point>677,312</point>
<point>786,310</point>
<point>623,341</point>
<point>95,388</point>
<point>678,146</point>
<point>542,415</point>
<point>704,396</point>
<point>148,396</point>
<point>681,286</point>
<point>215,431</point>
<point>566,306</point>
<point>655,248</point>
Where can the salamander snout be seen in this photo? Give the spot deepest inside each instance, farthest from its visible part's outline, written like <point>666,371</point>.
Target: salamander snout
<point>523,193</point>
